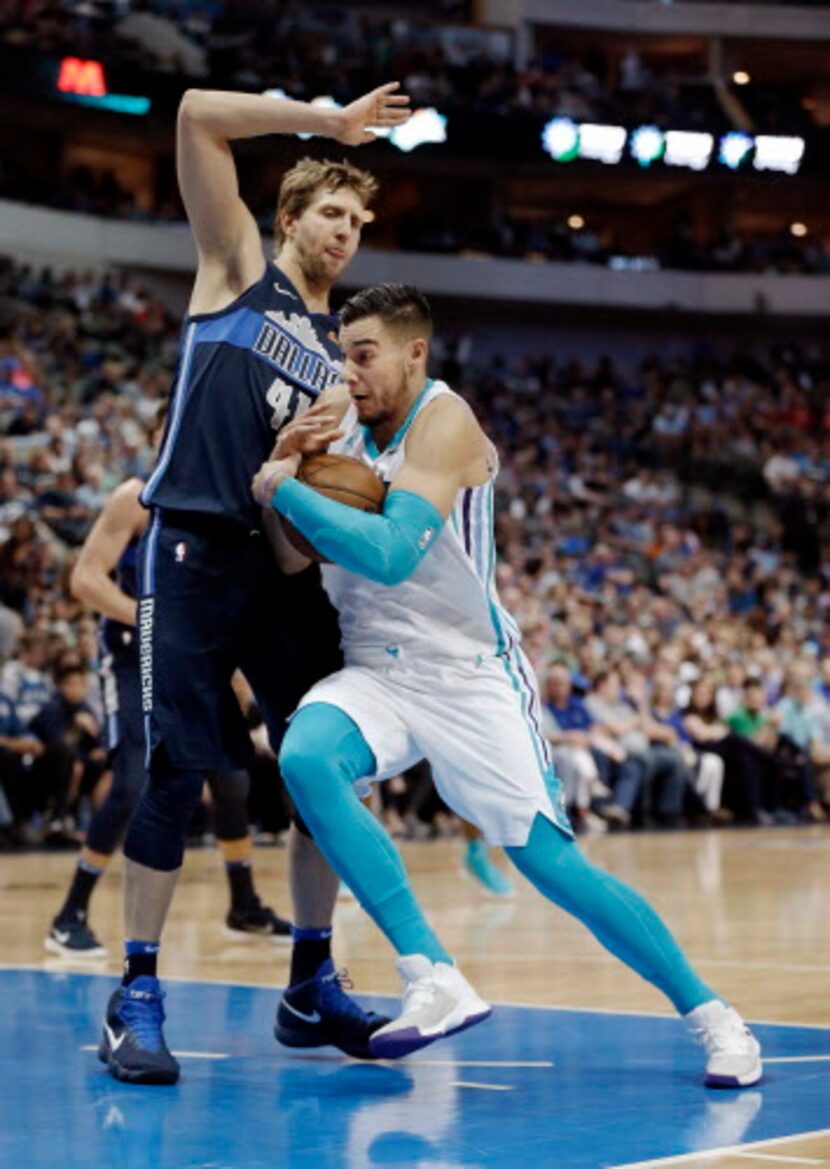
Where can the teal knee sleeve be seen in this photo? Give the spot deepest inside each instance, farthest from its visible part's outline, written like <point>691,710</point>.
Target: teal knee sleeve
<point>616,914</point>
<point>323,754</point>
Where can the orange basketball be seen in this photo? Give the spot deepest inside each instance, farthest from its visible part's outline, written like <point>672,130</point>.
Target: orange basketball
<point>342,478</point>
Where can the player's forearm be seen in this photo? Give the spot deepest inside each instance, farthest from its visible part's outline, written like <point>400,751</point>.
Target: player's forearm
<point>103,595</point>
<point>249,115</point>
<point>386,548</point>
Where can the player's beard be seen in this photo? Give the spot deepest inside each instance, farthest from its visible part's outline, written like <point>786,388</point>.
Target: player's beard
<point>387,408</point>
<point>313,266</point>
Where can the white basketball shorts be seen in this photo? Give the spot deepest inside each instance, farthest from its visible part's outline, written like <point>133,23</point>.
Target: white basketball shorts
<point>478,725</point>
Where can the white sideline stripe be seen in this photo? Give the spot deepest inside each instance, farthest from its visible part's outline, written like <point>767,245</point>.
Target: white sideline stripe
<point>795,1058</point>
<point>477,1063</point>
<point>484,1087</point>
<point>739,1150</point>
<point>772,1157</point>
<point>44,968</point>
<point>178,1054</point>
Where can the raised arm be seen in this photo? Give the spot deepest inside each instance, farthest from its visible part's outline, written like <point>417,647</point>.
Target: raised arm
<point>225,232</point>
<point>122,518</point>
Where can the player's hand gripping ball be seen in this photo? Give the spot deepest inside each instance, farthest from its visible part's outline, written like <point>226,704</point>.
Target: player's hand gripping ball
<point>342,478</point>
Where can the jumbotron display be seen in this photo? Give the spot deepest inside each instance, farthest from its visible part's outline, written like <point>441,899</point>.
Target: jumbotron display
<point>565,140</point>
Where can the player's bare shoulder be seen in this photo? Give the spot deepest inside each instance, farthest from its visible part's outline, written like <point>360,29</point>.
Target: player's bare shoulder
<point>448,424</point>
<point>124,509</point>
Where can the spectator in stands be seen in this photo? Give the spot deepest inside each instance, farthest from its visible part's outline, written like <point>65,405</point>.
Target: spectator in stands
<point>569,728</point>
<point>706,767</point>
<point>626,745</point>
<point>17,749</point>
<point>752,786</point>
<point>73,759</point>
<point>23,679</point>
<point>800,717</point>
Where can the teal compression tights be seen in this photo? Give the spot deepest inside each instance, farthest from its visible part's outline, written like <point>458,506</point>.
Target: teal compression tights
<point>322,756</point>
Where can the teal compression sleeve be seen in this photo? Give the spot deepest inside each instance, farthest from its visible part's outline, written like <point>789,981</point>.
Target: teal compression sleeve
<point>386,548</point>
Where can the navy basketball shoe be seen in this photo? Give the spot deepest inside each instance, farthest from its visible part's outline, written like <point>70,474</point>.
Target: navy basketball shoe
<point>132,1045</point>
<point>72,937</point>
<point>257,919</point>
<point>319,1013</point>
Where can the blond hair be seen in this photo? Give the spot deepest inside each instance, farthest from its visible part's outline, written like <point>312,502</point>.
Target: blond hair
<point>308,176</point>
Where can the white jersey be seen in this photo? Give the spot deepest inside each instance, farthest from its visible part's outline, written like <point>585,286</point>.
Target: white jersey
<point>448,609</point>
<point>434,668</point>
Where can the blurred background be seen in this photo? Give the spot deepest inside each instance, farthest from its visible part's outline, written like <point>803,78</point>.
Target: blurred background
<point>621,213</point>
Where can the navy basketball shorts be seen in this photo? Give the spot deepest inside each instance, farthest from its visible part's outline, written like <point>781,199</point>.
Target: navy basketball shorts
<point>213,601</point>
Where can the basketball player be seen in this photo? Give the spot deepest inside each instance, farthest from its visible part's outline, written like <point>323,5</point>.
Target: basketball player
<point>433,667</point>
<point>258,346</point>
<point>110,549</point>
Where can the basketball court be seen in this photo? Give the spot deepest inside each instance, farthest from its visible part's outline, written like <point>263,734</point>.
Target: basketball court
<point>581,1066</point>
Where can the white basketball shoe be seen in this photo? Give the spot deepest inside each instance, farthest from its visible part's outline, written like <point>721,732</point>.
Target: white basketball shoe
<point>437,1001</point>
<point>733,1054</point>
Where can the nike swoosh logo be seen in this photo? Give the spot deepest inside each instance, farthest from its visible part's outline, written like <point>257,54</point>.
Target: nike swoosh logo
<point>284,291</point>
<point>62,936</point>
<point>314,1017</point>
<point>115,1042</point>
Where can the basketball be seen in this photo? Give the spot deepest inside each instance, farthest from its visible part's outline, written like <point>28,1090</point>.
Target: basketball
<point>342,478</point>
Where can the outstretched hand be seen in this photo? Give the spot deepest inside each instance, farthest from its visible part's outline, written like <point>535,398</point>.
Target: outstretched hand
<point>383,107</point>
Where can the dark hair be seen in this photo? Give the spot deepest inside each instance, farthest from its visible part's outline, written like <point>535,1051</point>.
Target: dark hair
<point>66,671</point>
<point>397,305</point>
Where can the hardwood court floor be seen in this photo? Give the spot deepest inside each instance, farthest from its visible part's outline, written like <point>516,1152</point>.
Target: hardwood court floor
<point>751,909</point>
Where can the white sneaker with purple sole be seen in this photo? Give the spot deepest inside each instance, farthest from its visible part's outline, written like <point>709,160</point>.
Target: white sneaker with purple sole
<point>733,1054</point>
<point>437,1001</point>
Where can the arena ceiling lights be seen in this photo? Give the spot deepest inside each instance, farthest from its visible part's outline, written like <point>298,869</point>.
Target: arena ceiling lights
<point>565,140</point>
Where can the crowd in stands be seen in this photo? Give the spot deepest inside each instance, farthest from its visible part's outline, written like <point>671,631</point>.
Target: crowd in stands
<point>662,536</point>
<point>344,50</point>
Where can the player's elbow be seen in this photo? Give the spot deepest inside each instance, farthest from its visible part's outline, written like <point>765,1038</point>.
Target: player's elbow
<point>192,105</point>
<point>79,583</point>
<point>393,570</point>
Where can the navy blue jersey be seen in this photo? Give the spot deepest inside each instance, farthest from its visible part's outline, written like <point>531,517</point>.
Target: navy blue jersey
<point>244,372</point>
<point>115,636</point>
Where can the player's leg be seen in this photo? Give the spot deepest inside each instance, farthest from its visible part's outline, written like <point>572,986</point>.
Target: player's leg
<point>491,764</point>
<point>133,1044</point>
<point>313,884</point>
<point>189,618</point>
<point>246,915</point>
<point>71,933</point>
<point>522,808</point>
<point>323,756</point>
<point>624,922</point>
<point>294,640</point>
